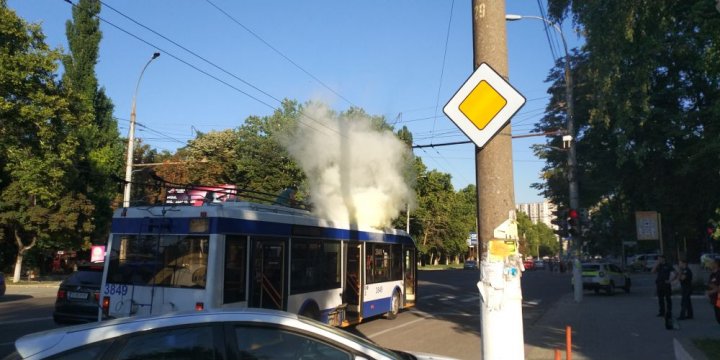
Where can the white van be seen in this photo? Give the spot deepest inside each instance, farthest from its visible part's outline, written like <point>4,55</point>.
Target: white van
<point>644,262</point>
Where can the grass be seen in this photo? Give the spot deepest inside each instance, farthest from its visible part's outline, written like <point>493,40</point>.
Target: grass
<point>441,267</point>
<point>710,347</point>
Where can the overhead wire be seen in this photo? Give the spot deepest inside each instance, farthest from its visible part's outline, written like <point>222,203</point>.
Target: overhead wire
<point>201,70</point>
<point>280,53</point>
<point>442,68</point>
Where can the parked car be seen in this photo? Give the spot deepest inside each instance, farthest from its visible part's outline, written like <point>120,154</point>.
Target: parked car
<point>470,265</point>
<point>2,284</point>
<point>644,262</point>
<point>529,264</point>
<point>706,259</point>
<point>605,276</point>
<point>219,334</point>
<point>539,264</point>
<point>78,296</point>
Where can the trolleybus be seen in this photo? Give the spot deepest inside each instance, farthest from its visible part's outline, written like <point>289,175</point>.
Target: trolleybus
<point>241,254</point>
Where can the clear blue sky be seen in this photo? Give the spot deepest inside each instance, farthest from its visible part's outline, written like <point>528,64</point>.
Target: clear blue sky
<point>383,56</point>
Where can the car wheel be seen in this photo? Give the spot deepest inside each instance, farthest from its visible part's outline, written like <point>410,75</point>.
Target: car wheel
<point>597,290</point>
<point>394,306</point>
<point>627,286</point>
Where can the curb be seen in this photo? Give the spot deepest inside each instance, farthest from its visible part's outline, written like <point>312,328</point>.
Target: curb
<point>685,349</point>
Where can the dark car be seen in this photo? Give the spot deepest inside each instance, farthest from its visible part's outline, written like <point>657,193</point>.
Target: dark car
<point>2,284</point>
<point>78,296</point>
<point>470,265</point>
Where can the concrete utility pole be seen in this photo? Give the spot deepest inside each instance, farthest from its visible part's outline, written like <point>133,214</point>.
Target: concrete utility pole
<point>502,329</point>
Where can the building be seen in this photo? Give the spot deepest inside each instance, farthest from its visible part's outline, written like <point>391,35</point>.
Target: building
<point>543,212</point>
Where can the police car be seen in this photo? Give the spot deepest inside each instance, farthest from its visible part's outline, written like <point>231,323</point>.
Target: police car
<point>604,276</point>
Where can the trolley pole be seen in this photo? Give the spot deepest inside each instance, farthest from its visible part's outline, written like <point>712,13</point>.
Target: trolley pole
<point>502,327</point>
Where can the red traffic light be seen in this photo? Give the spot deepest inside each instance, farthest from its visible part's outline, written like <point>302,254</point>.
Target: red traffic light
<point>573,214</point>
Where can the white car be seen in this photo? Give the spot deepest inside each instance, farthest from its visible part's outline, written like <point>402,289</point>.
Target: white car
<point>211,334</point>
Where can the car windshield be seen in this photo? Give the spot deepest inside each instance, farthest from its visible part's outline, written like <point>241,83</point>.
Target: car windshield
<point>357,339</point>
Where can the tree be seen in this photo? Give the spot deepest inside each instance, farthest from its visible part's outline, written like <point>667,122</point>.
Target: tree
<point>100,152</point>
<point>647,106</point>
<point>38,205</point>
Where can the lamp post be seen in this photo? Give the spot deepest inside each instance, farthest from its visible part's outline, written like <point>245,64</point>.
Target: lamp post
<point>572,159</point>
<point>131,137</point>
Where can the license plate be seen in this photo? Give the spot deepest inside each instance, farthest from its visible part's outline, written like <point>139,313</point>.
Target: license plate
<point>77,295</point>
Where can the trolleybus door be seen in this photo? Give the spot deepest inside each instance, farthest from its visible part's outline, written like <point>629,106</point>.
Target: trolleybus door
<point>352,292</point>
<point>410,276</point>
<point>267,284</point>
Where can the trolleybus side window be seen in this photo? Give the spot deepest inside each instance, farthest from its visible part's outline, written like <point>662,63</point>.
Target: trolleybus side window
<point>161,260</point>
<point>315,265</point>
<point>235,265</point>
<point>384,263</point>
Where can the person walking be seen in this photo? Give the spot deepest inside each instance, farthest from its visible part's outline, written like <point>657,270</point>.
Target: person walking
<point>686,276</point>
<point>714,286</point>
<point>665,274</point>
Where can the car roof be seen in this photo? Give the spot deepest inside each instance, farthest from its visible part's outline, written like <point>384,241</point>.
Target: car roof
<point>50,342</point>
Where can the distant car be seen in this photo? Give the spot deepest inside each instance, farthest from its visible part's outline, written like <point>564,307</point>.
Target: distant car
<point>78,296</point>
<point>2,284</point>
<point>604,276</point>
<point>209,334</point>
<point>539,264</point>
<point>529,264</point>
<point>706,259</point>
<point>470,265</point>
<point>645,262</point>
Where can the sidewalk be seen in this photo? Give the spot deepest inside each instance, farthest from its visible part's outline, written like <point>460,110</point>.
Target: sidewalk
<point>623,326</point>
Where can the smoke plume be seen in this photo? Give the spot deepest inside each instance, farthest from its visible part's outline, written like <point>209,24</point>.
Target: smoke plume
<point>356,173</point>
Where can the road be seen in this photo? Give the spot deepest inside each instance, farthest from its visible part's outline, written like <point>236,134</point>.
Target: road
<point>445,322</point>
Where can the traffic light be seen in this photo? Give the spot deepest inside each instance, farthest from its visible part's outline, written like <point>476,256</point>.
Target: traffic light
<point>573,225</point>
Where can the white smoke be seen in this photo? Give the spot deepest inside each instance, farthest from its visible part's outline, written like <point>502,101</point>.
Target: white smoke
<point>356,173</point>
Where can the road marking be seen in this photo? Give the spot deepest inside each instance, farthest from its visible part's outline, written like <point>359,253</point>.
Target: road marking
<point>25,320</point>
<point>394,328</point>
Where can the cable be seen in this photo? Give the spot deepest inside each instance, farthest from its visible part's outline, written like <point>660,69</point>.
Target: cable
<point>200,70</point>
<point>280,53</point>
<point>442,68</point>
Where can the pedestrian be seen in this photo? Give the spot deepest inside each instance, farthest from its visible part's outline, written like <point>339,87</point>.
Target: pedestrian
<point>686,276</point>
<point>714,286</point>
<point>665,274</point>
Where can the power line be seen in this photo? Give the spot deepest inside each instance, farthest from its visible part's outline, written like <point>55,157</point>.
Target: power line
<point>442,68</point>
<point>280,53</point>
<point>200,70</point>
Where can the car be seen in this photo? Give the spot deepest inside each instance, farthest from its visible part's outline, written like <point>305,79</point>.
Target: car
<point>529,264</point>
<point>77,299</point>
<point>470,265</point>
<point>539,264</point>
<point>707,258</point>
<point>605,276</point>
<point>645,262</point>
<point>219,333</point>
<point>2,284</point>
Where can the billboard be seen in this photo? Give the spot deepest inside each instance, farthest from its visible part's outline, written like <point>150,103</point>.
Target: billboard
<point>198,195</point>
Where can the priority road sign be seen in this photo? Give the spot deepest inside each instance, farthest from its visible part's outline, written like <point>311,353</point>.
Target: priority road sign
<point>483,105</point>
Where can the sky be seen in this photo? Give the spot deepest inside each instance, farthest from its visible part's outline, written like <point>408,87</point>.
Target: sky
<point>402,59</point>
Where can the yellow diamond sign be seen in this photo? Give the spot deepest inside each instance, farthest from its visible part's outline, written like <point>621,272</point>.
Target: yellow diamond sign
<point>483,105</point>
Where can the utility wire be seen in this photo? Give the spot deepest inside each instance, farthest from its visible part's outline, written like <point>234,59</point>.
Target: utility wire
<point>200,70</point>
<point>442,68</point>
<point>279,52</point>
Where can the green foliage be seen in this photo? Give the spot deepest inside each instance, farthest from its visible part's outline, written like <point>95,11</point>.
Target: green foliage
<point>100,152</point>
<point>538,239</point>
<point>647,104</point>
<point>38,205</point>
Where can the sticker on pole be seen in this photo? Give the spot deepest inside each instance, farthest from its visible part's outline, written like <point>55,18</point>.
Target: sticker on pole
<point>483,105</point>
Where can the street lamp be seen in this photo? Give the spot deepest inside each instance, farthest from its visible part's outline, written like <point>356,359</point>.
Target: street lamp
<point>131,138</point>
<point>572,159</point>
